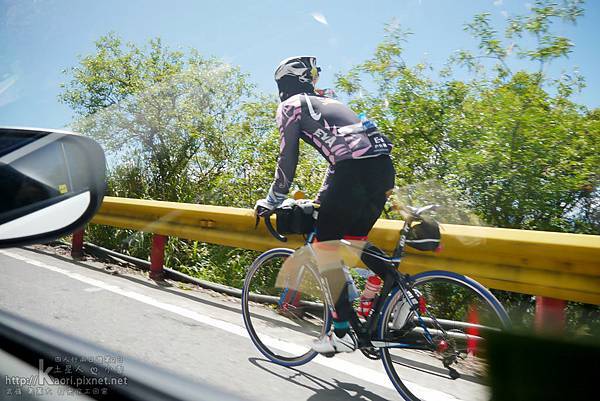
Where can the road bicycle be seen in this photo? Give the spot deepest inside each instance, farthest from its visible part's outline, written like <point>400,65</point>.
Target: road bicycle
<point>428,329</point>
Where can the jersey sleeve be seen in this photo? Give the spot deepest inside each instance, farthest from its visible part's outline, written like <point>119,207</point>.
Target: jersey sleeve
<point>288,121</point>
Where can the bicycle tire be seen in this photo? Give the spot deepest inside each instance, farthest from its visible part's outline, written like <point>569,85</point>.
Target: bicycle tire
<point>286,339</point>
<point>412,361</point>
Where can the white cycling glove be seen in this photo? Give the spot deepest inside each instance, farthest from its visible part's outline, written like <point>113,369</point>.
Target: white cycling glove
<point>272,201</point>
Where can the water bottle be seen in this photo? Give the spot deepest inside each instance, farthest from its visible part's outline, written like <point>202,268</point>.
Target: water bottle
<point>404,312</point>
<point>366,123</point>
<point>372,288</point>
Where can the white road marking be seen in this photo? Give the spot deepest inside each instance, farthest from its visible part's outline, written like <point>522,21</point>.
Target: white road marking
<point>92,289</point>
<point>338,364</point>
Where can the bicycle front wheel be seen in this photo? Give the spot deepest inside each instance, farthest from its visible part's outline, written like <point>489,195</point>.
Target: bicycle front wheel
<point>438,349</point>
<point>283,320</point>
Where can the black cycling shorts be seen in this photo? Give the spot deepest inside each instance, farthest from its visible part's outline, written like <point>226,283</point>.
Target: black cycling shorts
<point>355,197</point>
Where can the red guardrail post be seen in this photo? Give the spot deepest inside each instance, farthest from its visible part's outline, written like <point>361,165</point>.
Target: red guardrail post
<point>77,244</point>
<point>157,257</point>
<point>472,332</point>
<point>550,314</point>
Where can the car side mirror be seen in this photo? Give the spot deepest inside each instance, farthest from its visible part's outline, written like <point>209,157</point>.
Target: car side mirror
<point>51,183</point>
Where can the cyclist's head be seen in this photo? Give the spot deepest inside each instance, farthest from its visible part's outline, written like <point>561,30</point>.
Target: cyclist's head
<point>296,75</point>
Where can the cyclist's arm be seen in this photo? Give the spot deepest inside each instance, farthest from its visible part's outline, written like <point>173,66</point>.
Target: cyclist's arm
<point>288,121</point>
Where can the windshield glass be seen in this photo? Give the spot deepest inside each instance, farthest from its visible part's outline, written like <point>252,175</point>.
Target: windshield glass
<point>214,114</point>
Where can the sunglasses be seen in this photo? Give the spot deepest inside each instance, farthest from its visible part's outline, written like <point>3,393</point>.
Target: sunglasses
<point>315,72</point>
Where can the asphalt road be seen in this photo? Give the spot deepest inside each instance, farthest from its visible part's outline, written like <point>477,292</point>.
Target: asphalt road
<point>194,332</point>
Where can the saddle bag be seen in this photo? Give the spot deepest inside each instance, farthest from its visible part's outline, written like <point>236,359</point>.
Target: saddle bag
<point>424,235</point>
<point>296,218</point>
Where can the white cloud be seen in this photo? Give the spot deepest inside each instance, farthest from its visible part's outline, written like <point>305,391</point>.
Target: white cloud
<point>7,90</point>
<point>504,13</point>
<point>498,3</point>
<point>320,18</point>
<point>7,82</point>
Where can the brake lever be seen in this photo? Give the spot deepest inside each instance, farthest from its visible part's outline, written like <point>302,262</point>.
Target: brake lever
<point>272,230</point>
<point>258,216</point>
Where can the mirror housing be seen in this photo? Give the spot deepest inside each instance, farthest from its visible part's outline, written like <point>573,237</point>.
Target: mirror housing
<point>51,184</point>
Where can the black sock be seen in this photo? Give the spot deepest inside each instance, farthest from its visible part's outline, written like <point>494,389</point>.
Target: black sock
<point>340,329</point>
<point>340,332</point>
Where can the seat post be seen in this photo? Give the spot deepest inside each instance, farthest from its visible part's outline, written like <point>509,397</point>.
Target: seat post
<point>399,251</point>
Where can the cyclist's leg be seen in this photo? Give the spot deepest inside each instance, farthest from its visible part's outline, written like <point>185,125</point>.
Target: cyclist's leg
<point>350,207</point>
<point>335,277</point>
<point>382,173</point>
<point>340,204</point>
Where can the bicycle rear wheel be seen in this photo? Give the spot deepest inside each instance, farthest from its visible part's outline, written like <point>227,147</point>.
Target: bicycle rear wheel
<point>282,321</point>
<point>449,323</point>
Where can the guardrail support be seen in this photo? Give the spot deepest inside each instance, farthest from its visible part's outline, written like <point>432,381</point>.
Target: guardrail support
<point>157,257</point>
<point>550,314</point>
<point>472,331</point>
<point>77,244</point>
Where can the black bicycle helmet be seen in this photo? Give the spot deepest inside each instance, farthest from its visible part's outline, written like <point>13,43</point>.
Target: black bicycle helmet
<point>296,75</point>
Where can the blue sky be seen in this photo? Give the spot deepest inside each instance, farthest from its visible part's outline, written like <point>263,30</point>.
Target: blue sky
<point>40,38</point>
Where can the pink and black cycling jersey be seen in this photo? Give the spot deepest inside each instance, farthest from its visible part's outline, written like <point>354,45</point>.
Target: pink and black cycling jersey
<point>330,127</point>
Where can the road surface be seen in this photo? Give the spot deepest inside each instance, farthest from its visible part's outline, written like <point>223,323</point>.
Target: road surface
<point>194,332</point>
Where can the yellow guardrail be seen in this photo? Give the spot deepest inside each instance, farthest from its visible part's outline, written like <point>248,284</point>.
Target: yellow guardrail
<point>557,265</point>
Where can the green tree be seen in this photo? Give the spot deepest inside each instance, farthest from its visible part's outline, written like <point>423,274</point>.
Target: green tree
<point>512,142</point>
<point>508,143</point>
<point>165,118</point>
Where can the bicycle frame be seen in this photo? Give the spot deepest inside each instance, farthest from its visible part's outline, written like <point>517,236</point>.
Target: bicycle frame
<point>366,330</point>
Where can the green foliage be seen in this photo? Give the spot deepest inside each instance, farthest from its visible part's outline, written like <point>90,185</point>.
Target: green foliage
<point>507,148</point>
<point>128,242</point>
<point>167,116</point>
<point>528,162</point>
<point>217,264</point>
<point>520,152</point>
<point>536,25</point>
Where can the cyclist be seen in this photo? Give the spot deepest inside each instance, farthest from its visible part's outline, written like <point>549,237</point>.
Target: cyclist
<point>355,188</point>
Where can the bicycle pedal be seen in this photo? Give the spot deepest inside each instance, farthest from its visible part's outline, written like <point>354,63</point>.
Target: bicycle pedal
<point>371,353</point>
